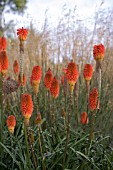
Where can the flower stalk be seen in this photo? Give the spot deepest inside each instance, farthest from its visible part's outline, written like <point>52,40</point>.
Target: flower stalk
<point>1,109</point>
<point>27,147</point>
<point>43,164</point>
<point>68,130</point>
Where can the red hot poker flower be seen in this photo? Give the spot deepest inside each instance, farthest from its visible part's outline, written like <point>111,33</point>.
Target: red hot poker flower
<point>3,43</point>
<point>4,62</point>
<point>98,52</point>
<point>11,123</point>
<point>48,79</point>
<point>27,107</point>
<point>88,72</point>
<point>22,33</point>
<point>72,75</point>
<point>54,90</point>
<point>35,78</point>
<point>84,118</point>
<point>36,75</point>
<point>93,97</point>
<point>16,67</point>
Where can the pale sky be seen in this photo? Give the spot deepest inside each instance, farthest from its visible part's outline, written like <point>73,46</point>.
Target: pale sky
<point>36,10</point>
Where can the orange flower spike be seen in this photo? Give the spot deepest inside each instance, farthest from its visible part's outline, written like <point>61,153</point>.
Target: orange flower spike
<point>84,118</point>
<point>35,78</point>
<point>93,98</point>
<point>38,119</point>
<point>3,43</point>
<point>48,79</point>
<point>11,123</point>
<point>88,72</point>
<point>4,62</point>
<point>55,88</point>
<point>22,34</point>
<point>27,107</point>
<point>16,68</point>
<point>36,75</point>
<point>98,52</point>
<point>72,75</point>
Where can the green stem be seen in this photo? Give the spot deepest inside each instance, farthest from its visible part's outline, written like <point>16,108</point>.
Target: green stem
<point>87,95</point>
<point>92,126</point>
<point>43,165</point>
<point>27,147</point>
<point>32,149</point>
<point>76,112</point>
<point>12,149</point>
<point>21,66</point>
<point>76,103</point>
<point>1,111</point>
<point>99,82</point>
<point>68,129</point>
<point>64,123</point>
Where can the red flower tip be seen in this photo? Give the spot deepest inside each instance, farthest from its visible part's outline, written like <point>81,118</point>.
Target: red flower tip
<point>4,62</point>
<point>11,123</point>
<point>26,106</point>
<point>3,43</point>
<point>23,80</point>
<point>84,118</point>
<point>98,52</point>
<point>16,68</point>
<point>48,79</point>
<point>88,72</point>
<point>93,97</point>
<point>54,89</point>
<point>22,33</point>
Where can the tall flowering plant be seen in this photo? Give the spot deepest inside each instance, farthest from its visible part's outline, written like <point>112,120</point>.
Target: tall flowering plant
<point>22,35</point>
<point>93,100</point>
<point>98,53</point>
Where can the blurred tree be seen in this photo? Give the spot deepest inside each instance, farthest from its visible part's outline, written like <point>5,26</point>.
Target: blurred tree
<point>15,6</point>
